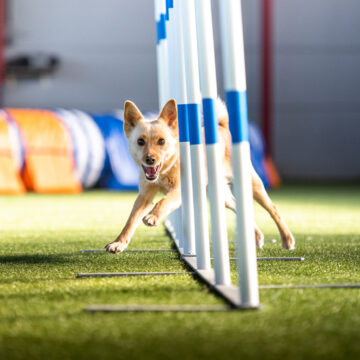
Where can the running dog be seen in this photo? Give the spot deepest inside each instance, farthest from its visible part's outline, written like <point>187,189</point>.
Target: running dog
<point>154,145</point>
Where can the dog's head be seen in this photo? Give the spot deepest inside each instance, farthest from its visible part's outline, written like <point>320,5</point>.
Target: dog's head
<point>152,143</point>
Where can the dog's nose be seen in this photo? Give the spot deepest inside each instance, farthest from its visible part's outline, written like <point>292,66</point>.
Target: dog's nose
<point>150,160</point>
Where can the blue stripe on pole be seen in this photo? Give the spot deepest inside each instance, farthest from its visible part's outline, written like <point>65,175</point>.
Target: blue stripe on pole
<point>210,121</point>
<point>167,10</point>
<point>183,123</point>
<point>238,115</point>
<point>169,5</point>
<point>161,28</point>
<point>193,111</point>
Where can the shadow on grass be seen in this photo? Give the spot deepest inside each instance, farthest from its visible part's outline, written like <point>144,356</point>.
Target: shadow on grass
<point>106,293</point>
<point>35,259</point>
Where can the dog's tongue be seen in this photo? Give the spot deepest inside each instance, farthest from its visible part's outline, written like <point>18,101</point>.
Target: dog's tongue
<point>150,171</point>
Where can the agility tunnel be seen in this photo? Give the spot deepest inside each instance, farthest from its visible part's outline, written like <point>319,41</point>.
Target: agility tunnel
<point>88,146</point>
<point>49,164</point>
<point>11,157</point>
<point>119,170</point>
<point>66,151</point>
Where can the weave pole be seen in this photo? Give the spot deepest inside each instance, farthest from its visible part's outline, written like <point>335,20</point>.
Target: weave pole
<point>185,16</point>
<point>176,216</point>
<point>187,208</point>
<point>236,99</point>
<point>161,52</point>
<point>208,84</point>
<point>170,35</point>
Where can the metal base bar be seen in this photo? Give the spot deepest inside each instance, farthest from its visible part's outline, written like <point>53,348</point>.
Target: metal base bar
<point>312,286</point>
<point>156,308</point>
<point>229,293</point>
<point>278,259</point>
<point>268,258</point>
<point>129,250</point>
<point>111,274</point>
<point>259,258</point>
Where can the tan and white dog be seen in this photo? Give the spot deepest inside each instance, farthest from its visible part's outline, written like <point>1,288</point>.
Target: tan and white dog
<point>154,145</point>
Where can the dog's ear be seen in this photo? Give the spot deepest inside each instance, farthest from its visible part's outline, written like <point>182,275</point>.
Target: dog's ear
<point>132,115</point>
<point>169,114</point>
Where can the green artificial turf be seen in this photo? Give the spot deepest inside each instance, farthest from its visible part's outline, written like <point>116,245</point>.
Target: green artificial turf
<point>41,301</point>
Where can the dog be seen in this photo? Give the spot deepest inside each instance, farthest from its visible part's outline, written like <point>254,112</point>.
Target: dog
<point>154,146</point>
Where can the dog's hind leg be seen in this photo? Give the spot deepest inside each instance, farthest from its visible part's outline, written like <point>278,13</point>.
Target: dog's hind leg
<point>261,196</point>
<point>230,203</point>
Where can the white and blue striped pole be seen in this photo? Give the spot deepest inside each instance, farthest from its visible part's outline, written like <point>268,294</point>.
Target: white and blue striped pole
<point>193,100</point>
<point>163,69</point>
<point>169,24</point>
<point>235,87</point>
<point>172,84</point>
<point>162,52</point>
<point>208,84</point>
<point>187,207</point>
<point>165,90</point>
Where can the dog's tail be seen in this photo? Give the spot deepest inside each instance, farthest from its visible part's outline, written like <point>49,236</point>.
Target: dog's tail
<point>222,113</point>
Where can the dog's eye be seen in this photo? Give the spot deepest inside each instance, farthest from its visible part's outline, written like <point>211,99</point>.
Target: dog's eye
<point>141,142</point>
<point>161,141</point>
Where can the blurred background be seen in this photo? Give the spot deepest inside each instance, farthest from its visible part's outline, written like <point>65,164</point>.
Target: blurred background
<point>303,55</point>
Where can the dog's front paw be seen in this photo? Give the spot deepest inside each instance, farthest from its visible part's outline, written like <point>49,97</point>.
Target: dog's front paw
<point>116,247</point>
<point>288,242</point>
<point>151,220</point>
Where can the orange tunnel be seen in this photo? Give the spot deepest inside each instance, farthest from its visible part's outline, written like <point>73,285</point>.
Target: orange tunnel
<point>49,163</point>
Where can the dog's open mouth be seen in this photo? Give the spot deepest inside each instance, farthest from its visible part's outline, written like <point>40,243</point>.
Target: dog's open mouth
<point>151,172</point>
